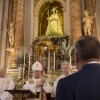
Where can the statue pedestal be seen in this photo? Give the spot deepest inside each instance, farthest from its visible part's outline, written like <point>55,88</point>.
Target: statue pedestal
<point>10,49</point>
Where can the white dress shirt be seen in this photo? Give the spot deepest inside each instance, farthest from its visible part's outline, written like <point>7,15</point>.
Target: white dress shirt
<point>56,82</point>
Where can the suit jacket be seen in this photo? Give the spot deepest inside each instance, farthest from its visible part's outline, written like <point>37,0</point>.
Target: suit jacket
<point>82,85</point>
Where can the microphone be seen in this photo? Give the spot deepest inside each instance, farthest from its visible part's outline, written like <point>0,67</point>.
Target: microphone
<point>17,83</point>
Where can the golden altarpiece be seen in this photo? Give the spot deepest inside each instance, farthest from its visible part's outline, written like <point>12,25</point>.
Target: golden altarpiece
<point>47,47</point>
<point>51,44</point>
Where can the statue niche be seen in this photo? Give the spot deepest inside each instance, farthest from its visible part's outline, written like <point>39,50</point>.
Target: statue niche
<point>11,35</point>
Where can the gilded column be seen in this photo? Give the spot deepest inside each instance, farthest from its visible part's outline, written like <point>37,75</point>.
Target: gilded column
<point>19,31</point>
<point>1,12</point>
<point>28,24</point>
<point>68,17</point>
<point>4,5</point>
<point>91,7</point>
<point>14,9</point>
<point>76,20</point>
<point>35,26</point>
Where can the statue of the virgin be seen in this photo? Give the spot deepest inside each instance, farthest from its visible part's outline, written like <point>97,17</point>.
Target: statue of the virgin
<point>54,24</point>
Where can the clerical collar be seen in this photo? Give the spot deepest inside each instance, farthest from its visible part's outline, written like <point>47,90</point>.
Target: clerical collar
<point>36,79</point>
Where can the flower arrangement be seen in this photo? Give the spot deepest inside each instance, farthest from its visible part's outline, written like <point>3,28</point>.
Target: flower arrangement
<point>20,57</point>
<point>62,41</point>
<point>55,39</point>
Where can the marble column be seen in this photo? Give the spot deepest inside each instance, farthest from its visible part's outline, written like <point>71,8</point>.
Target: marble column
<point>65,23</point>
<point>75,20</point>
<point>1,17</point>
<point>1,11</point>
<point>3,34</point>
<point>19,31</point>
<point>28,24</point>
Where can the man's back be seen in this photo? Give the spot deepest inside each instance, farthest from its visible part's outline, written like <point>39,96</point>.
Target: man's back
<point>83,85</point>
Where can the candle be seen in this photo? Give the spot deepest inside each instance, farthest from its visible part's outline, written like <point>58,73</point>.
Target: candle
<point>24,64</point>
<point>54,61</point>
<point>24,58</point>
<point>29,68</point>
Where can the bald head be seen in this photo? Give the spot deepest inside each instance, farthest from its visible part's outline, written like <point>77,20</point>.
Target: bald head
<point>2,72</point>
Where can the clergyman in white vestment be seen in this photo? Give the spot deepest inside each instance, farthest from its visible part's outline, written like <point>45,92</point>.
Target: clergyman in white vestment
<point>36,83</point>
<point>6,83</point>
<point>66,71</point>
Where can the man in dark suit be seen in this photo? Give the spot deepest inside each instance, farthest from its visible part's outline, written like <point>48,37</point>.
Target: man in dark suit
<point>84,84</point>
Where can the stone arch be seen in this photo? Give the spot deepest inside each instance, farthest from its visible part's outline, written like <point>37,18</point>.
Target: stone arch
<point>41,2</point>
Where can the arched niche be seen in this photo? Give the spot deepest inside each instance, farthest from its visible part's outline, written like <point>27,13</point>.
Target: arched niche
<point>41,2</point>
<point>41,10</point>
<point>45,12</point>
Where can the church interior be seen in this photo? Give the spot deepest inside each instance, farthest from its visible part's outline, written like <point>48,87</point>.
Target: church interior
<point>44,31</point>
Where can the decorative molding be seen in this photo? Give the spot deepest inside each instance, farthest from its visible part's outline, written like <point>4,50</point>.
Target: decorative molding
<point>41,2</point>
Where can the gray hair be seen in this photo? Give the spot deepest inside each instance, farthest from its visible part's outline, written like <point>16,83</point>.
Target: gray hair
<point>65,63</point>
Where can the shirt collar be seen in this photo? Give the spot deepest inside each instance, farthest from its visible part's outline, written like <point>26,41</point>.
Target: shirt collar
<point>92,62</point>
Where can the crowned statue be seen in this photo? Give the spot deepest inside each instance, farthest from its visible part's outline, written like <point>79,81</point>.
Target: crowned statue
<point>54,24</point>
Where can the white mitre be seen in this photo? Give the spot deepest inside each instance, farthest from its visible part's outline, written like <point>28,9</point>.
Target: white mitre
<point>37,66</point>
